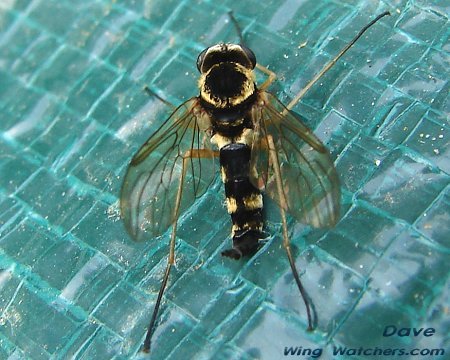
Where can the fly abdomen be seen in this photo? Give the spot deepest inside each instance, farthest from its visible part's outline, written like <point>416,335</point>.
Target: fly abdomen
<point>244,201</point>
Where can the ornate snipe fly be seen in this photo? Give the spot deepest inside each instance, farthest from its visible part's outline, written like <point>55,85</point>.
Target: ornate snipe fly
<point>262,147</point>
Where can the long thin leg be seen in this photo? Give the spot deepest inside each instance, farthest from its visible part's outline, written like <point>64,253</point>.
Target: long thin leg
<point>194,153</point>
<point>170,262</point>
<point>271,76</point>
<point>286,242</point>
<point>329,65</point>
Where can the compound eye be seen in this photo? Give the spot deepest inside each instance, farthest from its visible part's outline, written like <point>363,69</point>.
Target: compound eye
<point>200,59</point>
<point>250,55</point>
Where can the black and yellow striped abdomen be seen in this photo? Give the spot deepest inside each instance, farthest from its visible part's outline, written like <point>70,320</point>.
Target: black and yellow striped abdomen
<point>244,201</point>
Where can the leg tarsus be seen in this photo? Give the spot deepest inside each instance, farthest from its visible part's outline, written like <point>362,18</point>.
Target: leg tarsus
<point>148,338</point>
<point>302,290</point>
<point>286,243</point>
<point>331,63</point>
<point>198,153</point>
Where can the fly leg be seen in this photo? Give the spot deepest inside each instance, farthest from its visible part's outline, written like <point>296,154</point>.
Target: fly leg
<point>333,61</point>
<point>276,166</point>
<point>271,76</point>
<point>273,156</point>
<point>190,154</point>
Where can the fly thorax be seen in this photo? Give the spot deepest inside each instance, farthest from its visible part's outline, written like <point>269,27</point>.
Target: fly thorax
<point>227,85</point>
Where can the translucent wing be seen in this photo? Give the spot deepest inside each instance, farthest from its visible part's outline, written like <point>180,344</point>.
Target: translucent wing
<point>309,180</point>
<point>152,180</point>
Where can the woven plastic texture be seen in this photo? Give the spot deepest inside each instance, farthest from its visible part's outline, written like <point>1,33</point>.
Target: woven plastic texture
<point>73,111</point>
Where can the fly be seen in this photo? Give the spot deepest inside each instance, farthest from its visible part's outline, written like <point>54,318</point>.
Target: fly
<point>262,147</point>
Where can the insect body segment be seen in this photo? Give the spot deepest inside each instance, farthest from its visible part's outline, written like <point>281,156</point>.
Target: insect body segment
<point>244,201</point>
<point>227,92</point>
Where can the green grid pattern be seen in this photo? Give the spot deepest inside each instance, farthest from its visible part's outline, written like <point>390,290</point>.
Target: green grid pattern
<point>73,284</point>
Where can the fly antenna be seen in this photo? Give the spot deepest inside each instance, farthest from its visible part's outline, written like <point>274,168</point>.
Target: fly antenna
<point>152,93</point>
<point>333,61</point>
<point>236,26</point>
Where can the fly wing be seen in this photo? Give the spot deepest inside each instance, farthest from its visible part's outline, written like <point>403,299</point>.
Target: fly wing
<point>152,180</point>
<point>308,177</point>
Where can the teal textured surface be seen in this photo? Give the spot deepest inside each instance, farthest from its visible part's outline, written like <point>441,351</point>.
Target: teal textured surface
<point>73,112</point>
